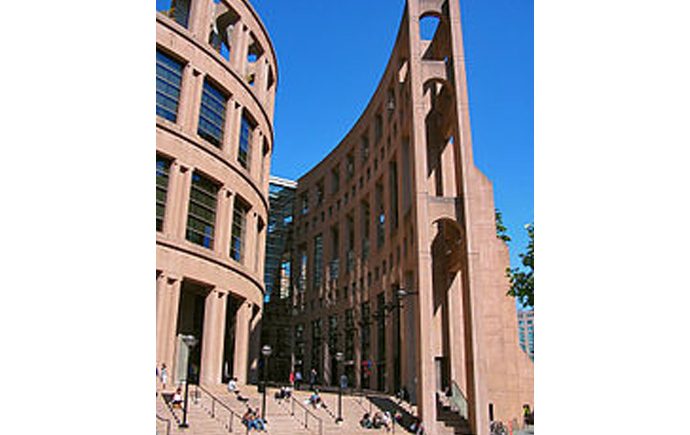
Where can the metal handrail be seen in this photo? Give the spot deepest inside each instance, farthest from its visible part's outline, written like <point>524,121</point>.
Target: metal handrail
<point>214,400</point>
<point>458,400</point>
<point>167,423</point>
<point>307,413</point>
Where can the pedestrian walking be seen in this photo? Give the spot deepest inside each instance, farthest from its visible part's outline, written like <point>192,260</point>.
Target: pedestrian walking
<point>313,375</point>
<point>298,379</point>
<point>163,375</point>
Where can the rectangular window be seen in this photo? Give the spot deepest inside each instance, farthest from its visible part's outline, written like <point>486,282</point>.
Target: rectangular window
<point>380,217</point>
<point>350,166</point>
<point>406,176</point>
<point>365,146</point>
<point>212,114</point>
<point>201,218</point>
<point>319,192</point>
<point>162,179</point>
<point>378,128</point>
<point>335,179</point>
<point>219,45</point>
<point>366,218</point>
<point>168,82</point>
<point>178,10</point>
<point>246,138</point>
<point>350,228</point>
<point>393,185</point>
<point>304,203</point>
<point>302,279</point>
<point>318,261</point>
<point>239,230</point>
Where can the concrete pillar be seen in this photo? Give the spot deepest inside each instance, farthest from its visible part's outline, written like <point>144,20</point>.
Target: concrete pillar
<point>181,194</point>
<point>241,360</point>
<point>172,206</point>
<point>255,346</point>
<point>260,250</point>
<point>187,91</point>
<point>457,332</point>
<point>261,80</point>
<point>214,334</point>
<point>223,222</point>
<point>161,308</point>
<point>228,129</point>
<point>426,385</point>
<point>255,153</point>
<point>250,241</point>
<point>190,98</point>
<point>168,287</point>
<point>234,132</point>
<point>199,18</point>
<point>240,47</point>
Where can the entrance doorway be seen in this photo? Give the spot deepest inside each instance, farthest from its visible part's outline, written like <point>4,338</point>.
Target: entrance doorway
<point>190,321</point>
<point>233,304</point>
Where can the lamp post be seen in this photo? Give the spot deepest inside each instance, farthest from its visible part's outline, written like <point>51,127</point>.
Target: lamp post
<point>266,352</point>
<point>191,342</point>
<point>339,357</point>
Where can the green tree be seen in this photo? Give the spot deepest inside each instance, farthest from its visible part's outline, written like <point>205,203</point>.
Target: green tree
<point>522,278</point>
<point>500,228</point>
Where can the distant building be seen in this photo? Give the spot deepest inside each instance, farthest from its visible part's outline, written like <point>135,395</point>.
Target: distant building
<point>281,195</point>
<point>526,331</point>
<point>276,330</point>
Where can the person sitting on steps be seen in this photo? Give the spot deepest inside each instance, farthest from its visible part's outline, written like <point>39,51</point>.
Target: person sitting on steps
<point>177,398</point>
<point>366,422</point>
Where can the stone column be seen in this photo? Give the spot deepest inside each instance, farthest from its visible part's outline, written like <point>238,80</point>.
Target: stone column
<point>255,155</point>
<point>244,311</point>
<point>250,241</point>
<point>199,17</point>
<point>168,287</point>
<point>239,48</point>
<point>214,334</point>
<point>228,129</point>
<point>190,99</point>
<point>261,81</point>
<point>181,194</point>
<point>234,132</point>
<point>260,250</point>
<point>161,311</point>
<point>172,206</point>
<point>457,332</point>
<point>255,347</point>
<point>223,222</point>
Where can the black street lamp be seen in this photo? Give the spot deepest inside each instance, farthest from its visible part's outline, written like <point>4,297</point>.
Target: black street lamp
<point>266,352</point>
<point>191,342</point>
<point>339,357</point>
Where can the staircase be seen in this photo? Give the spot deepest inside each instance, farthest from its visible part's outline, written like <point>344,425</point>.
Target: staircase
<point>212,410</point>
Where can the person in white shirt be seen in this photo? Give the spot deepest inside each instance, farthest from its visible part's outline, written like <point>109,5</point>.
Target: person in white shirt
<point>232,385</point>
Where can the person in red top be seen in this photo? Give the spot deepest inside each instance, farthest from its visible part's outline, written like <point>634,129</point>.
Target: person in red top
<point>292,378</point>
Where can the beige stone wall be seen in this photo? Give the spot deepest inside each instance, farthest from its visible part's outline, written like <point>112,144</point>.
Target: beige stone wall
<point>177,259</point>
<point>444,246</point>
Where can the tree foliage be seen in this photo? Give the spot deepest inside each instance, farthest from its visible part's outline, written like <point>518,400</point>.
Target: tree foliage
<point>522,278</point>
<point>500,228</point>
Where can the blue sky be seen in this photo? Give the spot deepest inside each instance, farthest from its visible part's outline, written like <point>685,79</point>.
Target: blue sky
<point>331,55</point>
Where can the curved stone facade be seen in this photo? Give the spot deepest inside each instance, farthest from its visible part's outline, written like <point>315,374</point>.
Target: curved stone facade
<point>399,204</point>
<point>216,77</point>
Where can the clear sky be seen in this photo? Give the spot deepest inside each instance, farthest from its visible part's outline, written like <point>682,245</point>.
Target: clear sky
<point>331,55</point>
